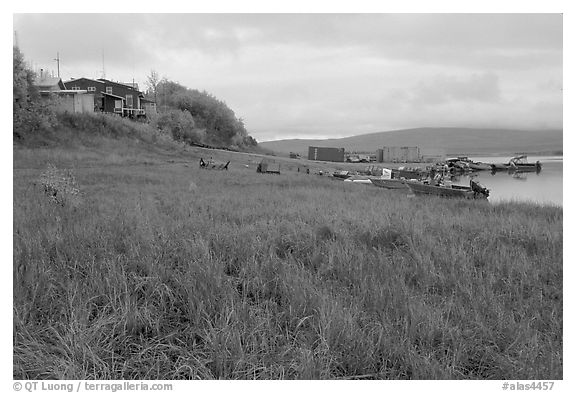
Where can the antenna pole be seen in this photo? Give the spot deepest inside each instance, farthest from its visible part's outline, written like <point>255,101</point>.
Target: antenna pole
<point>57,59</point>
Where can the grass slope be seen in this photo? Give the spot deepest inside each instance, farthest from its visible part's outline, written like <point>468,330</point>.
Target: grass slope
<point>434,140</point>
<point>164,271</point>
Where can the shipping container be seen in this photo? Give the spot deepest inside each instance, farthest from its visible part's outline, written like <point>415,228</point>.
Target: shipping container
<point>398,154</point>
<point>334,154</point>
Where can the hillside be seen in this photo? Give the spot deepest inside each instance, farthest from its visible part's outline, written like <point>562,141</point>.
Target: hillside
<point>436,141</point>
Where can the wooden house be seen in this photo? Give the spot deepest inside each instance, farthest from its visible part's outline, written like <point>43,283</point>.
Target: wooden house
<point>112,97</point>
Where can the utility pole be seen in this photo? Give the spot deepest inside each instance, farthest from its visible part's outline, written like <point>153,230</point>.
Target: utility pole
<point>103,66</point>
<point>57,60</point>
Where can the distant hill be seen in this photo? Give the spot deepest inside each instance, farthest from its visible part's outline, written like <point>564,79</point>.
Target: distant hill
<point>449,141</point>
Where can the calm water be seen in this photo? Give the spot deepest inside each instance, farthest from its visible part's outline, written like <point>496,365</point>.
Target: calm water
<point>544,187</point>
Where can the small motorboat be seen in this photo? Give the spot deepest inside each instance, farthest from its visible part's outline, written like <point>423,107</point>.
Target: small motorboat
<point>474,191</point>
<point>521,164</point>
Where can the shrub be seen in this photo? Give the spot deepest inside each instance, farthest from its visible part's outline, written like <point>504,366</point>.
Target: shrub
<point>33,119</point>
<point>60,186</point>
<point>180,124</point>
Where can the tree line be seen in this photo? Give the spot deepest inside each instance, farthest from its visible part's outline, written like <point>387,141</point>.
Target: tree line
<point>195,116</point>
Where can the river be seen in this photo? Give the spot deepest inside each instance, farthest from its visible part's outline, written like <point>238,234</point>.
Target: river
<point>544,187</point>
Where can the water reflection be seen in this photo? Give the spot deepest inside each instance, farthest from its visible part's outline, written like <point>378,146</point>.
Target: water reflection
<point>520,176</point>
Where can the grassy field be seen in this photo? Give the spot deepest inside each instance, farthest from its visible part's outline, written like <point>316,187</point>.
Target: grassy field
<point>160,270</point>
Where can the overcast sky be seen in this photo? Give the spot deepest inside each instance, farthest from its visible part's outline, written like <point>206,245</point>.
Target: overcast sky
<point>325,75</point>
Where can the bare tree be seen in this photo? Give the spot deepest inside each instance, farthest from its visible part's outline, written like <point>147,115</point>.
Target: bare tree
<point>152,83</point>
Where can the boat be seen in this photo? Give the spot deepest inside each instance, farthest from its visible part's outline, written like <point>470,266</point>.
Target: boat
<point>458,165</point>
<point>342,174</point>
<point>500,167</point>
<point>358,179</point>
<point>474,191</point>
<point>520,164</point>
<point>211,164</point>
<point>409,173</point>
<point>479,166</point>
<point>389,183</point>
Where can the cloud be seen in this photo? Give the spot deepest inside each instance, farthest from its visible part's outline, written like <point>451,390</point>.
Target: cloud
<point>441,89</point>
<point>80,37</point>
<point>331,74</point>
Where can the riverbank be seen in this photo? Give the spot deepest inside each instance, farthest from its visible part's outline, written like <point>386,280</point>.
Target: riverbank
<point>159,270</point>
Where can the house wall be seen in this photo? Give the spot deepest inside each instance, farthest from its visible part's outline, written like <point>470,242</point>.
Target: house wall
<point>109,104</point>
<point>86,103</point>
<point>100,85</point>
<point>75,103</point>
<point>123,91</point>
<point>64,104</point>
<point>84,84</point>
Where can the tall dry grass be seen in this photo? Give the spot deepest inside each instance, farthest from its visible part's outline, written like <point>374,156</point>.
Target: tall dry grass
<point>172,272</point>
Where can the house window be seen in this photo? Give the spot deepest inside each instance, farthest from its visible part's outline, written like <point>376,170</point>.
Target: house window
<point>129,100</point>
<point>91,88</point>
<point>75,88</point>
<point>109,89</point>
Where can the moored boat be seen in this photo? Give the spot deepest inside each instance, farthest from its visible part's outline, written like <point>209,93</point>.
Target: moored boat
<point>521,164</point>
<point>389,183</point>
<point>479,166</point>
<point>518,164</point>
<point>458,165</point>
<point>474,191</point>
<point>500,167</point>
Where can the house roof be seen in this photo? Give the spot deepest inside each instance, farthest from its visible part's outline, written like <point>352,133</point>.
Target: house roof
<point>133,85</point>
<point>113,95</point>
<point>129,86</point>
<point>46,81</point>
<point>87,79</point>
<point>64,91</point>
